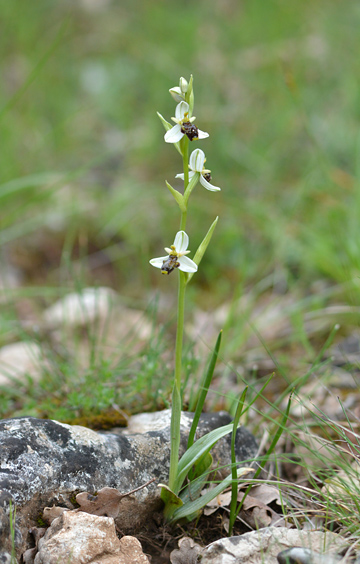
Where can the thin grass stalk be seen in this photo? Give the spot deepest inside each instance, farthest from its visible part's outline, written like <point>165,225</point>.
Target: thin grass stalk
<point>259,393</point>
<point>279,432</point>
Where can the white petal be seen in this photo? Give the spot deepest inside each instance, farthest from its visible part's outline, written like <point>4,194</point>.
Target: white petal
<point>191,174</point>
<point>202,134</point>
<point>177,94</point>
<point>207,185</point>
<point>181,110</point>
<point>181,241</point>
<point>187,265</point>
<point>158,262</point>
<point>197,159</point>
<point>174,134</point>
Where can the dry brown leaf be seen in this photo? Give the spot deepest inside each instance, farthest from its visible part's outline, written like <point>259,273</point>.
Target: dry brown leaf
<point>221,500</point>
<point>187,553</point>
<point>255,511</point>
<point>105,503</point>
<point>257,517</point>
<point>267,494</point>
<point>264,492</point>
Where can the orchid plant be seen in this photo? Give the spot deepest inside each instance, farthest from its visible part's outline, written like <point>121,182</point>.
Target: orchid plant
<point>195,464</point>
<point>189,475</point>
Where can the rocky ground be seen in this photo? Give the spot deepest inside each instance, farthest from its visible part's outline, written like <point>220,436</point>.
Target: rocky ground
<point>86,497</point>
<point>68,483</point>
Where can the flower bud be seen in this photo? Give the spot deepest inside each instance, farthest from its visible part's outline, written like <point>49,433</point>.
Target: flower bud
<point>183,84</point>
<point>177,94</point>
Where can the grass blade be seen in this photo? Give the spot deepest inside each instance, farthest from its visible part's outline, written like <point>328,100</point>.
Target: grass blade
<point>234,484</point>
<point>204,388</point>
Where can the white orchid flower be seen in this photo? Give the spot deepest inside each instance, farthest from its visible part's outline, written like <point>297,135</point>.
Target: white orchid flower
<point>176,256</point>
<point>196,164</point>
<point>184,126</point>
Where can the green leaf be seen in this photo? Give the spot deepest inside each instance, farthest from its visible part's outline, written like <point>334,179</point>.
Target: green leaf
<point>191,102</point>
<point>201,466</point>
<point>190,187</point>
<point>178,197</point>
<point>204,388</point>
<point>165,123</point>
<point>189,97</point>
<point>171,500</point>
<point>194,506</point>
<point>198,449</point>
<point>192,492</point>
<point>193,489</point>
<point>203,246</point>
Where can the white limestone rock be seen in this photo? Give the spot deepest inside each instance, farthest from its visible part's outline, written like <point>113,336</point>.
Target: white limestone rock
<point>80,308</point>
<point>81,538</point>
<point>265,544</point>
<point>19,360</point>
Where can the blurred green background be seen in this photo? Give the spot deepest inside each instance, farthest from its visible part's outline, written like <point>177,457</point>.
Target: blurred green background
<point>82,151</point>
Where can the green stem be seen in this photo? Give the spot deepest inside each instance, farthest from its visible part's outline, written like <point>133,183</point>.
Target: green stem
<point>185,153</point>
<point>176,394</point>
<point>183,220</point>
<point>186,161</point>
